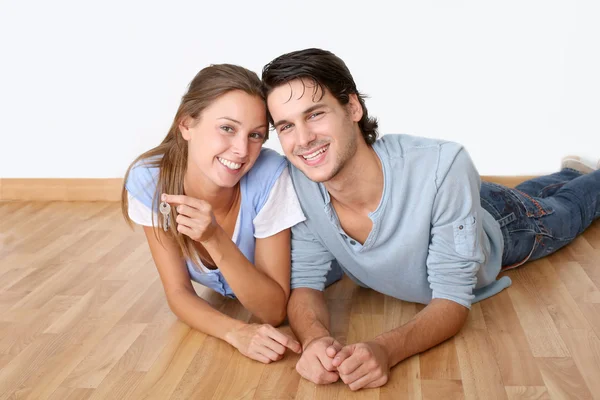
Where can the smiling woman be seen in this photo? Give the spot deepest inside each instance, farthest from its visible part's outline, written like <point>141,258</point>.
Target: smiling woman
<point>226,203</point>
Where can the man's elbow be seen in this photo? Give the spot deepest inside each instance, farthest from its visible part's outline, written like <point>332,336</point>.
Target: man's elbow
<point>456,314</point>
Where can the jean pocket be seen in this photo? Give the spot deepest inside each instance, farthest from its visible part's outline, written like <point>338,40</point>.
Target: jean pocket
<point>465,236</point>
<point>533,207</point>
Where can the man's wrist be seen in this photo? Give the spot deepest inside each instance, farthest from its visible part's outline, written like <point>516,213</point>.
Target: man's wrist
<point>391,346</point>
<point>309,339</point>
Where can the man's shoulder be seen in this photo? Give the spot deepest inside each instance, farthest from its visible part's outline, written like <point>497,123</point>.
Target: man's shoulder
<point>301,181</point>
<point>403,144</point>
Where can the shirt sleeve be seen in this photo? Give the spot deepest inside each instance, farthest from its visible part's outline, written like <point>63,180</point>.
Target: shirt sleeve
<point>139,212</point>
<point>456,248</point>
<point>282,209</point>
<point>311,261</point>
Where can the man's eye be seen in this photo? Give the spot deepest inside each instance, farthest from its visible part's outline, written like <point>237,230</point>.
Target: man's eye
<point>316,114</point>
<point>284,127</point>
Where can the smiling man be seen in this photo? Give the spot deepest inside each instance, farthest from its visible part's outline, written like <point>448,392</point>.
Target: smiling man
<point>404,215</point>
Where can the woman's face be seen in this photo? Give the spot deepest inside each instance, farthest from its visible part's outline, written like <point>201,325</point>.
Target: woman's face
<point>226,139</point>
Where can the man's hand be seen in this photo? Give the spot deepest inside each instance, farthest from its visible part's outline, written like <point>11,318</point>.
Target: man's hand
<point>362,365</point>
<point>315,364</point>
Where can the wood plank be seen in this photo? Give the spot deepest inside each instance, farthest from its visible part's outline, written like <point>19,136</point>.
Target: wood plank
<point>61,189</point>
<point>71,394</point>
<point>584,345</point>
<point>538,325</point>
<point>549,289</point>
<point>516,363</point>
<point>404,381</point>
<point>577,282</point>
<point>442,389</point>
<point>563,379</point>
<point>440,363</point>
<point>474,351</point>
<point>240,378</point>
<point>94,368</point>
<point>164,376</point>
<point>527,393</point>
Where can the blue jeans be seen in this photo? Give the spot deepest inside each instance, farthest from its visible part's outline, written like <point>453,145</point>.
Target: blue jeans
<point>542,215</point>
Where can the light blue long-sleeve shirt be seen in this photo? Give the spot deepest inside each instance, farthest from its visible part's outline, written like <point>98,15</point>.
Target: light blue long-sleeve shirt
<point>430,238</point>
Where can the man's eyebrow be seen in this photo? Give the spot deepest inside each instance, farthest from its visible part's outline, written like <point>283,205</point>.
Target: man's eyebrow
<point>307,111</point>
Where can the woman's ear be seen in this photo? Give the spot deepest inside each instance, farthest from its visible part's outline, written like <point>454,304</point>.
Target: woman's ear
<point>185,125</point>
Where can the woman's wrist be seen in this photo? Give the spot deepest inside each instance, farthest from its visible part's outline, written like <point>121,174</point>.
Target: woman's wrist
<point>230,334</point>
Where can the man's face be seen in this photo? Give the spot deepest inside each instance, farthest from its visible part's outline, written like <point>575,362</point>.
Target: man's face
<point>317,134</point>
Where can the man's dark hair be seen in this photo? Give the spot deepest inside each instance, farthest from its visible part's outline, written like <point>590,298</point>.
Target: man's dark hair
<point>326,70</point>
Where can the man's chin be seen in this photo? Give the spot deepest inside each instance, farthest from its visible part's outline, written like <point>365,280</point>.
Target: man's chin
<point>317,175</point>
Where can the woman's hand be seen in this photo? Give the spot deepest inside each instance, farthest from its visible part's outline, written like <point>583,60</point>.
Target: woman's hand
<point>263,343</point>
<point>196,219</point>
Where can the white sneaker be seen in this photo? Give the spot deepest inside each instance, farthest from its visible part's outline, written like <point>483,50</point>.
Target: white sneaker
<point>576,163</point>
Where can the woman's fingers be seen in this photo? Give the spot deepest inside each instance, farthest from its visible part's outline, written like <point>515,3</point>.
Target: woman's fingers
<point>282,338</point>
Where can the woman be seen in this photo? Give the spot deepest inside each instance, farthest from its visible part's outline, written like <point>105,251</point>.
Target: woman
<point>228,207</point>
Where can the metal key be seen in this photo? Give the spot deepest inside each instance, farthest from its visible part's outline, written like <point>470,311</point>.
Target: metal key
<point>165,210</point>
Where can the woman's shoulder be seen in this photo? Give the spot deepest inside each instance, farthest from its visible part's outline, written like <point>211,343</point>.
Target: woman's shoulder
<point>142,178</point>
<point>264,173</point>
<point>267,167</point>
<point>268,159</point>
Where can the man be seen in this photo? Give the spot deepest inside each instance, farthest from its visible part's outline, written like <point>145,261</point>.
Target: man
<point>403,215</point>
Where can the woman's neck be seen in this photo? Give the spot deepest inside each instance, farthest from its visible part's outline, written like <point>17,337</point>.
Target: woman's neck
<point>197,185</point>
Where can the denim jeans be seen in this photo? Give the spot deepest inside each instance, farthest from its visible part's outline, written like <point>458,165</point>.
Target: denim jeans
<point>542,215</point>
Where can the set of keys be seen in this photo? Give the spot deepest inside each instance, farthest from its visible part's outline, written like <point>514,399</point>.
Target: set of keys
<point>165,210</point>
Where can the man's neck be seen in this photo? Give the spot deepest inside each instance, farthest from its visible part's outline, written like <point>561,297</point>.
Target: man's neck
<point>358,186</point>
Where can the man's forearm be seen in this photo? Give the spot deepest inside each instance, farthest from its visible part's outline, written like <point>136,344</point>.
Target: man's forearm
<point>308,315</point>
<point>437,322</point>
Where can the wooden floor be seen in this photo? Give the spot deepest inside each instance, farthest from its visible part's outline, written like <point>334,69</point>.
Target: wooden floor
<point>83,316</point>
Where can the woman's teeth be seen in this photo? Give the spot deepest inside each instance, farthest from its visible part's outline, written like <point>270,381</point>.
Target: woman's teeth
<point>314,155</point>
<point>229,164</point>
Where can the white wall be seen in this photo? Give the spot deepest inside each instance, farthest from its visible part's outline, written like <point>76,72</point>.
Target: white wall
<point>85,88</point>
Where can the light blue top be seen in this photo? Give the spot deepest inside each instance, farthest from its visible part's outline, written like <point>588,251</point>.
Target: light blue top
<point>255,188</point>
<point>430,238</point>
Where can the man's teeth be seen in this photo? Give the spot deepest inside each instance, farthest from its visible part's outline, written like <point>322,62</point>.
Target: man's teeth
<point>229,164</point>
<point>314,155</point>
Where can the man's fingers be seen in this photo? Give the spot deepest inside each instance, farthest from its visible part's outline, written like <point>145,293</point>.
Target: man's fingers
<point>333,349</point>
<point>327,377</point>
<point>349,365</point>
<point>377,383</point>
<point>362,382</point>
<point>354,372</point>
<point>342,355</point>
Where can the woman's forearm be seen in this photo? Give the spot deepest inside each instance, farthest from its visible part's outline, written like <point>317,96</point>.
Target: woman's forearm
<point>260,294</point>
<point>199,315</point>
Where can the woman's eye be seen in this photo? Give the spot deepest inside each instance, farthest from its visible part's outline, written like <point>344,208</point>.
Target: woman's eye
<point>227,128</point>
<point>257,135</point>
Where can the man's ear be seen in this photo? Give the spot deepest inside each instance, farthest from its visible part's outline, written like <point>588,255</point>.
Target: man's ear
<point>354,107</point>
<point>185,125</point>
